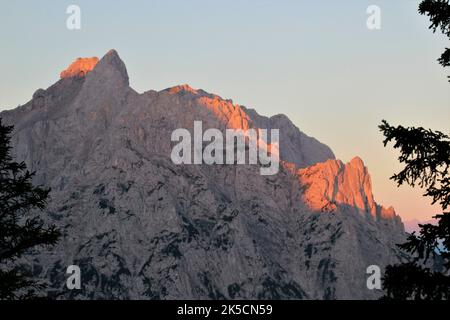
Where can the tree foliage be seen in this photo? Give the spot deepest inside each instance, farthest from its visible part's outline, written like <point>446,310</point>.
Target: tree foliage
<point>426,155</point>
<point>21,229</point>
<point>439,13</point>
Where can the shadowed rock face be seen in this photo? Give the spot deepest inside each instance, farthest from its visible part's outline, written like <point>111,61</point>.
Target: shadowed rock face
<point>142,227</point>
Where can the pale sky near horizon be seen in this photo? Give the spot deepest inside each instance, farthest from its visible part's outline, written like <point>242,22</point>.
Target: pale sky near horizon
<point>314,61</point>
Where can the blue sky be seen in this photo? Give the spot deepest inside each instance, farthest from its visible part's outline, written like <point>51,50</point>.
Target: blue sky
<point>314,61</point>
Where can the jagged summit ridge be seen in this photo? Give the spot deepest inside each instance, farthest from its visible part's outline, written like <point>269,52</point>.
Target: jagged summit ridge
<point>327,181</point>
<point>333,183</point>
<point>111,69</point>
<point>141,227</point>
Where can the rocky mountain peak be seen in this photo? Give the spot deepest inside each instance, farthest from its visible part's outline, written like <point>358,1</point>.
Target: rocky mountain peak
<point>182,88</point>
<point>333,183</point>
<point>142,227</point>
<point>357,163</point>
<point>79,68</point>
<point>111,70</point>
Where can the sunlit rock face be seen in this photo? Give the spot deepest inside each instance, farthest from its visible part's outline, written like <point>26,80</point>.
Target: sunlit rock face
<point>141,227</point>
<point>331,184</point>
<point>80,67</point>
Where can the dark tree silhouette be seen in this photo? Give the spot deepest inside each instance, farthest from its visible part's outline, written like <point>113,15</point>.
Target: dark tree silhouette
<point>439,13</point>
<point>21,229</point>
<point>426,155</point>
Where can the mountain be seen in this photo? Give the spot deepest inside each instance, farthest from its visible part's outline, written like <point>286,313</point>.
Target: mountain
<point>141,227</point>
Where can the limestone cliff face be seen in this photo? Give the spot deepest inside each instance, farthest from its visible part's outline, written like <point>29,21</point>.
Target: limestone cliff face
<point>332,183</point>
<point>141,227</point>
